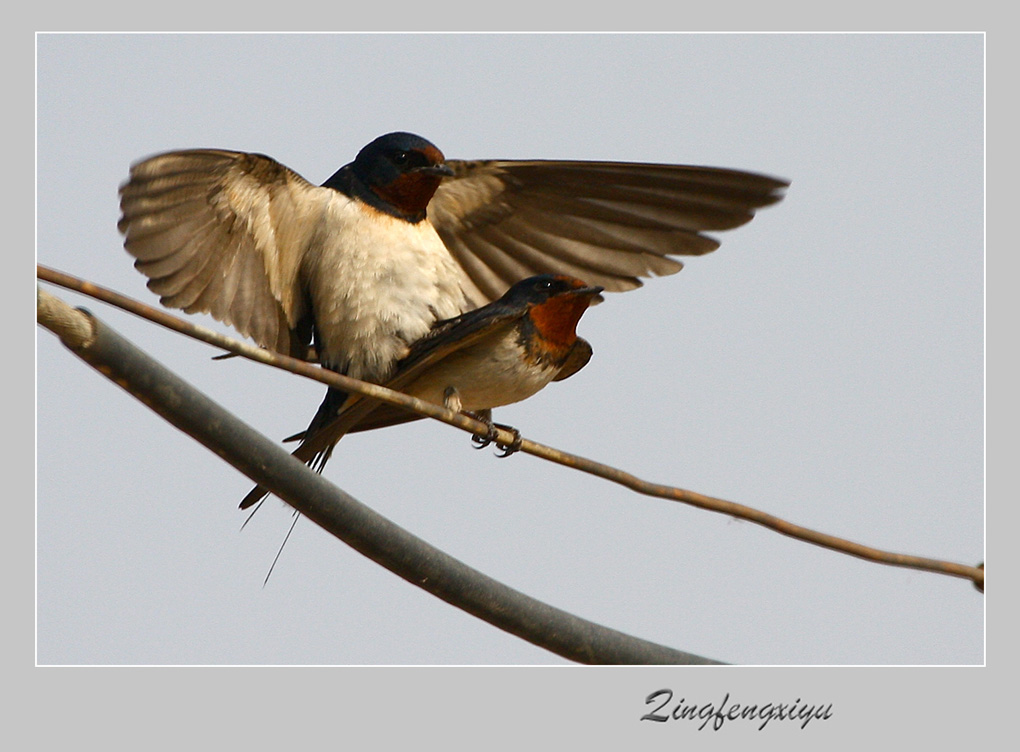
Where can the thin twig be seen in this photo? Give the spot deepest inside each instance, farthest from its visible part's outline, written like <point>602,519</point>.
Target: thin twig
<point>463,422</point>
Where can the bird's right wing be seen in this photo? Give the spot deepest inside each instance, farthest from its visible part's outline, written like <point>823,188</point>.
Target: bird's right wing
<point>223,233</point>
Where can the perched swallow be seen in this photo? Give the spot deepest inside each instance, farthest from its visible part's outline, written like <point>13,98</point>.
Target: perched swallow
<point>365,265</point>
<point>401,238</point>
<point>489,357</point>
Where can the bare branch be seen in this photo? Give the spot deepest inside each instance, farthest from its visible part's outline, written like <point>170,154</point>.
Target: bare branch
<point>973,573</point>
<point>339,513</point>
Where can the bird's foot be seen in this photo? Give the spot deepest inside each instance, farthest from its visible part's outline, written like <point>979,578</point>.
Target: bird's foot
<point>481,441</point>
<point>491,435</point>
<point>505,450</point>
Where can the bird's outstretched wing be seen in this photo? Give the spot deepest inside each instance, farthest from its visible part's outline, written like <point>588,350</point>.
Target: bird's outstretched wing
<point>223,233</point>
<point>607,223</point>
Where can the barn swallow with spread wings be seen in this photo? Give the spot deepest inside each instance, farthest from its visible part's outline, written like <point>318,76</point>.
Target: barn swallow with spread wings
<point>401,238</point>
<point>365,265</point>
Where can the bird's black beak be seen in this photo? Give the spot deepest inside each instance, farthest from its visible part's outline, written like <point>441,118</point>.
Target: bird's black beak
<point>594,292</point>
<point>440,170</point>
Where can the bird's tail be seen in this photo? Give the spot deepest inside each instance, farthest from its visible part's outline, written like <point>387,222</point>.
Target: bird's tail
<point>317,441</point>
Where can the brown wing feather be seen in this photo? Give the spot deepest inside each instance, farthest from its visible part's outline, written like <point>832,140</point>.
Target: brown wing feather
<point>608,223</point>
<point>223,233</point>
<point>579,356</point>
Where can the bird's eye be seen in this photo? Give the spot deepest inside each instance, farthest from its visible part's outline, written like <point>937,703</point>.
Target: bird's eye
<point>544,284</point>
<point>400,158</point>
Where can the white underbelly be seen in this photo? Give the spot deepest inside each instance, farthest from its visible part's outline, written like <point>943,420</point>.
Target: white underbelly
<point>484,376</point>
<point>378,284</point>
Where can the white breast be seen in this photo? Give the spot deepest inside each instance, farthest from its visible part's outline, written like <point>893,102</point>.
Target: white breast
<point>377,284</point>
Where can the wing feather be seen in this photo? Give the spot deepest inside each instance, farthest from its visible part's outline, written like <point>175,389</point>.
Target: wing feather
<point>224,233</point>
<point>608,223</point>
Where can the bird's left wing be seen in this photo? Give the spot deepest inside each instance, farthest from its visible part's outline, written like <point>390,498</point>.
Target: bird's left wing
<point>608,223</point>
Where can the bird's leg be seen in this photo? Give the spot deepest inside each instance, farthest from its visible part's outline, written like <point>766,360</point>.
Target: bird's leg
<point>451,401</point>
<point>485,416</point>
<point>505,450</point>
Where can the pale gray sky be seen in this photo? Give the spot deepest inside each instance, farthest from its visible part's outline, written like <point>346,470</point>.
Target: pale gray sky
<point>825,364</point>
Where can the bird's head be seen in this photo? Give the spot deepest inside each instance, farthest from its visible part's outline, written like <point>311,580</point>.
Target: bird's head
<point>554,304</point>
<point>403,171</point>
